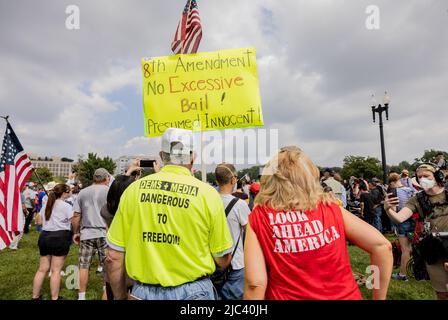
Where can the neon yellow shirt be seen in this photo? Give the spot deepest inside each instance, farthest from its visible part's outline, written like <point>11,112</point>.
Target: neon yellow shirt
<point>170,224</point>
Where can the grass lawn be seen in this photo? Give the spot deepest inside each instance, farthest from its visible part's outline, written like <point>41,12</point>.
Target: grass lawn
<point>398,290</point>
<point>17,269</point>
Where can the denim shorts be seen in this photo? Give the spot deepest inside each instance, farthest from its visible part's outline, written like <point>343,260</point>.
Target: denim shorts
<point>404,228</point>
<point>233,288</point>
<point>196,290</point>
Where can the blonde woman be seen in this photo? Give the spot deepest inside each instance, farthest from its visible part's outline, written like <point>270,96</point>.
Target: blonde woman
<point>296,238</point>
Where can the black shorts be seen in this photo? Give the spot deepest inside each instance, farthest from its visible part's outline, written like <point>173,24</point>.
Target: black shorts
<point>54,243</point>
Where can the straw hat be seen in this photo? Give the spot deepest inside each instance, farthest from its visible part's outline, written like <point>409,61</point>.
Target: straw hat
<point>50,185</point>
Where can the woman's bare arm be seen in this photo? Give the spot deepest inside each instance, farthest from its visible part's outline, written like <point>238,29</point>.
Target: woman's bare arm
<point>255,275</point>
<point>369,239</point>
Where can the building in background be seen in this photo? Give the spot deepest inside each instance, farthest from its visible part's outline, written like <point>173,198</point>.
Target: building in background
<point>59,167</point>
<point>123,163</point>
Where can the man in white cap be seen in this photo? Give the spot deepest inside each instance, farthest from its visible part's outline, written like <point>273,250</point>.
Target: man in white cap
<point>172,229</point>
<point>89,227</point>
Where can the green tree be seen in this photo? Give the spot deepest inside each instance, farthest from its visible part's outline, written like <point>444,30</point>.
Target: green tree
<point>430,155</point>
<point>358,166</point>
<point>44,174</point>
<point>210,176</point>
<point>86,167</point>
<point>399,167</point>
<point>253,172</point>
<point>59,179</point>
<point>198,174</point>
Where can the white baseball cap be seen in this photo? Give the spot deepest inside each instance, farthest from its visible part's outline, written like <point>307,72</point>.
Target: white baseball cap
<point>177,141</point>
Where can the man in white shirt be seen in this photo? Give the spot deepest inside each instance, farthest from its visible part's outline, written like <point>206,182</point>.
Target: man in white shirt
<point>30,202</point>
<point>335,185</point>
<point>237,212</point>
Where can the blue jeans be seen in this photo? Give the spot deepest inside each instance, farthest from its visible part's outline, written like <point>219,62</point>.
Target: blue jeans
<point>377,218</point>
<point>233,288</point>
<point>196,290</point>
<point>403,229</point>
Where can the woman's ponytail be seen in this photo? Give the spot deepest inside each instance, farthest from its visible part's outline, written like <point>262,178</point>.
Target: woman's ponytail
<point>50,204</point>
<point>53,195</point>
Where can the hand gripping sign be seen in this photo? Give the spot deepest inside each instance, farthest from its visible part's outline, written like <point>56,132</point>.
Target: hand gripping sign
<point>217,89</point>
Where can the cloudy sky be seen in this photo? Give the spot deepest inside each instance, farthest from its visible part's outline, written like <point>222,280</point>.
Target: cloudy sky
<point>69,92</point>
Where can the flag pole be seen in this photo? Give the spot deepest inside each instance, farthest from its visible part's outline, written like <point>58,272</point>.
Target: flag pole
<point>203,160</point>
<point>197,127</point>
<point>40,182</point>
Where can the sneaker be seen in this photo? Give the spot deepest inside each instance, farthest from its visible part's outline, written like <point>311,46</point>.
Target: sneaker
<point>99,270</point>
<point>398,276</point>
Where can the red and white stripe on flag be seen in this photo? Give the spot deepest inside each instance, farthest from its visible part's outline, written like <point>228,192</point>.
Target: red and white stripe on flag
<point>15,168</point>
<point>189,30</point>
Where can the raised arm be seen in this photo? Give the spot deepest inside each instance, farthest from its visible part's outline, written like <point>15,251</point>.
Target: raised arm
<point>398,217</point>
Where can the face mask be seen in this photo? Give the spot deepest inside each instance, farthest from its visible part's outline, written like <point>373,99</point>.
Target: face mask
<point>426,183</point>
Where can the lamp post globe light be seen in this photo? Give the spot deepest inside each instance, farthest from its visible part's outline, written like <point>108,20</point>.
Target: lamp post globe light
<point>380,109</point>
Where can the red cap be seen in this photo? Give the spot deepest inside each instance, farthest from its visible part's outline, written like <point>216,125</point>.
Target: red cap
<point>255,187</point>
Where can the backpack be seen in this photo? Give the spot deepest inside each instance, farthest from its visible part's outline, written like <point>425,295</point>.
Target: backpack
<point>220,276</point>
<point>431,248</point>
<point>426,205</point>
<point>416,265</point>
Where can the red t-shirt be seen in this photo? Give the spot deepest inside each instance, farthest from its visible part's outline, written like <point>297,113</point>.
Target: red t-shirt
<point>306,254</point>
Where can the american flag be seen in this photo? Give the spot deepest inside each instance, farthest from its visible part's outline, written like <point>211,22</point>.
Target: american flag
<point>189,30</point>
<point>15,168</point>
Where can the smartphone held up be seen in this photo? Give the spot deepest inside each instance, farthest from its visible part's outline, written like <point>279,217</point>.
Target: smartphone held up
<point>147,163</point>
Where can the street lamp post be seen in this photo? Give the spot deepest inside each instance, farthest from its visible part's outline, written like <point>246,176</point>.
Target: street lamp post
<point>380,109</point>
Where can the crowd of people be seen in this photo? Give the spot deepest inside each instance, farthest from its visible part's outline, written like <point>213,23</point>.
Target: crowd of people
<point>170,236</point>
<point>421,201</point>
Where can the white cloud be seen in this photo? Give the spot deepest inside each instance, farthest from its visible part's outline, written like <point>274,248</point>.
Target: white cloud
<point>317,63</point>
<point>142,146</point>
<point>117,78</point>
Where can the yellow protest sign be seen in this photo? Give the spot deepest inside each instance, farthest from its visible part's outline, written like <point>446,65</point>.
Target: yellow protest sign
<point>218,89</point>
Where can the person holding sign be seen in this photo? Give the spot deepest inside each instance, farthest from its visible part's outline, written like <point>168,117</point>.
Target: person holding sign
<point>172,229</point>
<point>295,245</point>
